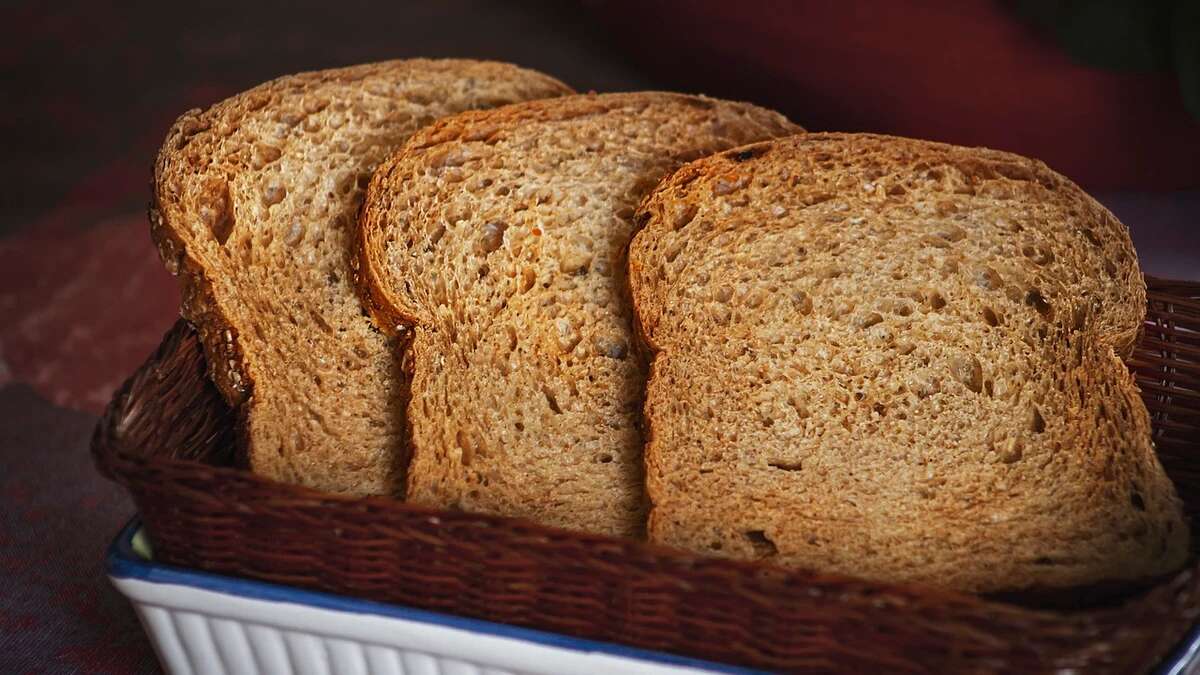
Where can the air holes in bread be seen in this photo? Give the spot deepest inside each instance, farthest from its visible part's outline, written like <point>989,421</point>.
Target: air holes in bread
<point>951,232</point>
<point>273,193</point>
<point>216,210</point>
<point>295,234</point>
<point>673,252</point>
<point>1037,424</point>
<point>683,216</point>
<point>1135,498</point>
<point>989,317</point>
<point>763,547</point>
<point>1035,300</point>
<point>801,302</point>
<point>263,155</point>
<point>801,409</point>
<point>552,401</point>
<point>867,320</point>
<point>988,278</point>
<point>464,446</point>
<point>435,237</point>
<point>1039,255</point>
<point>528,278</point>
<point>966,369</point>
<point>746,154</point>
<point>492,236</point>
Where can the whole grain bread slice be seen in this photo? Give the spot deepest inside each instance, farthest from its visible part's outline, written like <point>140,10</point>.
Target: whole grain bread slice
<point>499,236</point>
<point>254,209</point>
<point>895,359</point>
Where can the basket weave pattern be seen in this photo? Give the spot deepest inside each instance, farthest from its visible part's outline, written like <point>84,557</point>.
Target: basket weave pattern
<point>168,438</point>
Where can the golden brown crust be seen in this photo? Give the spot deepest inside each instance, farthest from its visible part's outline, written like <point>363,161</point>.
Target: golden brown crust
<point>199,307</point>
<point>384,315</point>
<point>1122,322</point>
<point>258,326</point>
<point>490,126</point>
<point>498,236</point>
<point>895,359</point>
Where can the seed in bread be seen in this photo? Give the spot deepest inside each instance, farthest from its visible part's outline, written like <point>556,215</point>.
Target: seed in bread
<point>897,359</point>
<point>255,204</point>
<point>499,238</point>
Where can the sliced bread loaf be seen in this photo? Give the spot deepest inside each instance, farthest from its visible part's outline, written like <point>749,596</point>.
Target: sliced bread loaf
<point>254,209</point>
<point>895,359</point>
<point>500,237</point>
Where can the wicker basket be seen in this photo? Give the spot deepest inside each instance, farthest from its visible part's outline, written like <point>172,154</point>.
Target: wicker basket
<point>168,438</point>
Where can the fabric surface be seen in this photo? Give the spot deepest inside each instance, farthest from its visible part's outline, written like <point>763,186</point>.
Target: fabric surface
<point>57,613</point>
<point>89,94</point>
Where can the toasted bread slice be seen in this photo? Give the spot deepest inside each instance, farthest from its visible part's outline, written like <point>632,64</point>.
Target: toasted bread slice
<point>500,237</point>
<point>255,205</point>
<point>896,359</point>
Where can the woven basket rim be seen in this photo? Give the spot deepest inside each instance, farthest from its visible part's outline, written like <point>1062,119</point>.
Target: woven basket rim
<point>132,466</point>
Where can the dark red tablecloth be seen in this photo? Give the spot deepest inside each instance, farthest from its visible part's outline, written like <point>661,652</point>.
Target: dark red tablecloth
<point>89,92</point>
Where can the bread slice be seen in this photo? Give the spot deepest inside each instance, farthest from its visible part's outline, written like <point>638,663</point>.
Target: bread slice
<point>500,237</point>
<point>895,359</point>
<point>255,205</point>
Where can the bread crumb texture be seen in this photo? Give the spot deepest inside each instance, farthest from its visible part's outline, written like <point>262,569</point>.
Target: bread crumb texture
<point>898,359</point>
<point>500,236</point>
<point>255,205</point>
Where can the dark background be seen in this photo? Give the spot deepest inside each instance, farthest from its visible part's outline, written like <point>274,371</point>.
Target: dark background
<point>91,90</point>
<point>88,92</point>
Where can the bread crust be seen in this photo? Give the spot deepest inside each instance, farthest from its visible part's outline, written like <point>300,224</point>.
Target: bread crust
<point>199,306</point>
<point>387,311</point>
<point>505,213</point>
<point>233,141</point>
<point>898,360</point>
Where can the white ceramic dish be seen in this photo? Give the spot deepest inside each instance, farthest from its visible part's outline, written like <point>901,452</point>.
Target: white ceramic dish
<point>203,623</point>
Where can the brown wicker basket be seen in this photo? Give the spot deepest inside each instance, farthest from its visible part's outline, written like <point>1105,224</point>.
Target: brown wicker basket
<point>168,438</point>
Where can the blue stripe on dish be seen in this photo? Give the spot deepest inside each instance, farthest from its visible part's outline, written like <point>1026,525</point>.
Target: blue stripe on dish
<point>1184,657</point>
<point>123,562</point>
